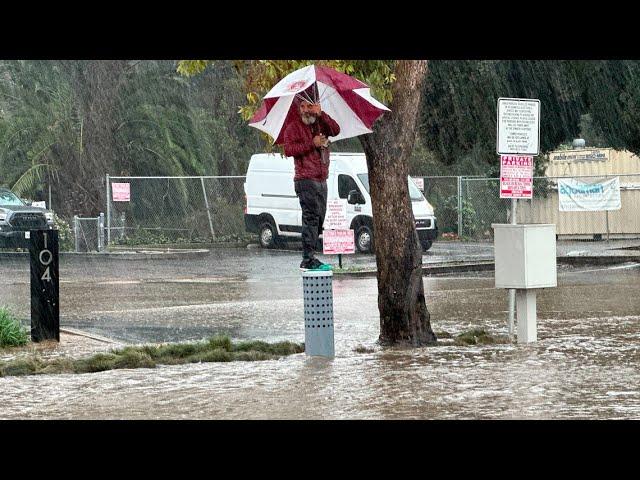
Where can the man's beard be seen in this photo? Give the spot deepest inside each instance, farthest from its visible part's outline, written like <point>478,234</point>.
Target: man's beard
<point>308,119</point>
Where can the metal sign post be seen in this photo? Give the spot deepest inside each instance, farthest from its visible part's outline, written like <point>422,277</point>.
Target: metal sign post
<point>518,133</point>
<point>45,290</point>
<point>512,291</point>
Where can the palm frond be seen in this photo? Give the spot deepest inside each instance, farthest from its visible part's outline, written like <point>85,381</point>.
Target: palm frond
<point>29,179</point>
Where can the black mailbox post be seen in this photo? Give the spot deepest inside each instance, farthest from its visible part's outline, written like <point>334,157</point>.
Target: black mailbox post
<point>45,292</point>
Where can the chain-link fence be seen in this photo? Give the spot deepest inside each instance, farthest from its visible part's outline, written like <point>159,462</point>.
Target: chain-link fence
<point>467,206</point>
<point>443,193</point>
<point>162,210</point>
<point>89,234</point>
<point>456,201</point>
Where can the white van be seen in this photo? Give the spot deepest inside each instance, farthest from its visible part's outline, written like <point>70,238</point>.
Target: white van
<point>273,210</point>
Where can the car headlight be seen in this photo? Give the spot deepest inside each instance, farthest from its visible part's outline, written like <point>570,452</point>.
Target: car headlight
<point>49,217</point>
<point>3,217</point>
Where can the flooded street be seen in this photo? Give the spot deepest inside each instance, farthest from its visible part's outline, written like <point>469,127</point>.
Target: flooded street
<point>583,366</point>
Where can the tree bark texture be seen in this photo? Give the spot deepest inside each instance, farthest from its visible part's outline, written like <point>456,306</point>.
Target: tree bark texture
<point>404,318</point>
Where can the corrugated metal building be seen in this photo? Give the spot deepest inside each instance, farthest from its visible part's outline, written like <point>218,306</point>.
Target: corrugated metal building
<point>591,165</point>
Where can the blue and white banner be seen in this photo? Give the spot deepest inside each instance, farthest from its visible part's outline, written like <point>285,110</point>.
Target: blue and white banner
<point>577,196</point>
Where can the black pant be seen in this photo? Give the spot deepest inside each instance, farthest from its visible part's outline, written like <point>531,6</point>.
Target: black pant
<point>313,201</point>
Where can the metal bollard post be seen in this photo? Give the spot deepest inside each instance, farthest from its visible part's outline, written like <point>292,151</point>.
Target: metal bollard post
<point>101,232</point>
<point>318,313</point>
<point>76,232</point>
<point>123,221</point>
<point>45,285</point>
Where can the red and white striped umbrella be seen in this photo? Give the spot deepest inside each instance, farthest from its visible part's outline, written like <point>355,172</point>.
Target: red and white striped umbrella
<point>347,100</point>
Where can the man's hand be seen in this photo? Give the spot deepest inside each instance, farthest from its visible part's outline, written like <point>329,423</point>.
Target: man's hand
<point>319,140</point>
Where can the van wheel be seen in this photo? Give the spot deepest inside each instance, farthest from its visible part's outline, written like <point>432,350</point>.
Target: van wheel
<point>364,239</point>
<point>426,245</point>
<point>267,235</point>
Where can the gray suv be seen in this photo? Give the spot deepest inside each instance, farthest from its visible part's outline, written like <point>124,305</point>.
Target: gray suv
<point>17,218</point>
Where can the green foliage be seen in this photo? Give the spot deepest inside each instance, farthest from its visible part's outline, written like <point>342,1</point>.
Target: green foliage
<point>612,92</point>
<point>482,195</point>
<point>479,336</point>
<point>216,349</point>
<point>12,333</point>
<point>591,133</point>
<point>141,236</point>
<point>460,102</point>
<point>65,235</point>
<point>30,179</point>
<point>149,237</point>
<point>448,217</point>
<point>192,67</point>
<point>69,123</point>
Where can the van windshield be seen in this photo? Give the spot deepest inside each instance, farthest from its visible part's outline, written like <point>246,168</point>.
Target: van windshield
<point>414,193</point>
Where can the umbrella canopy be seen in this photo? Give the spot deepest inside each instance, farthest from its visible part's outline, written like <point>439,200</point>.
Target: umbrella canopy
<point>347,100</point>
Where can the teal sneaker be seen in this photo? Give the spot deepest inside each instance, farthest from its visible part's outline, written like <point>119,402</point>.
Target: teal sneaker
<point>318,265</point>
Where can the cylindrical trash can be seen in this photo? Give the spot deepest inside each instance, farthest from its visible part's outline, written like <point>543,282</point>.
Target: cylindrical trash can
<point>318,313</point>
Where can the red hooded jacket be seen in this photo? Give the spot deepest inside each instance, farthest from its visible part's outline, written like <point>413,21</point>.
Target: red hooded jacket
<point>298,143</point>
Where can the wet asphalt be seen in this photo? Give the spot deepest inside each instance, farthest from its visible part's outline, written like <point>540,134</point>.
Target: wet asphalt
<point>584,365</point>
<point>256,293</point>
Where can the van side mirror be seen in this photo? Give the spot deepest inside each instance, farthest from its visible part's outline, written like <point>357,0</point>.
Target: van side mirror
<point>355,197</point>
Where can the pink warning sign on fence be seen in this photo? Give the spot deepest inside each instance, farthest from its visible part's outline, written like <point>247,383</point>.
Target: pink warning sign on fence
<point>121,192</point>
<point>338,241</point>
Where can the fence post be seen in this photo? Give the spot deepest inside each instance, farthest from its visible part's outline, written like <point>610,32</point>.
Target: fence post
<point>101,232</point>
<point>76,234</point>
<point>459,207</point>
<point>206,204</point>
<point>108,213</point>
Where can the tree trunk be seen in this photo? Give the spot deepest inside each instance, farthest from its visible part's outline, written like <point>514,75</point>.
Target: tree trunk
<point>404,318</point>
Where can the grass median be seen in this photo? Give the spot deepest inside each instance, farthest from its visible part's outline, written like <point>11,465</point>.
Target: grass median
<point>12,333</point>
<point>216,349</point>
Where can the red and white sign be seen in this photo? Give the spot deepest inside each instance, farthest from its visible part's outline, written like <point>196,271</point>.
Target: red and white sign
<point>121,192</point>
<point>338,241</point>
<point>336,216</point>
<point>516,176</point>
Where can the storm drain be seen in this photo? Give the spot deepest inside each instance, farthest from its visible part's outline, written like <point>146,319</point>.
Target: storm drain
<point>318,313</point>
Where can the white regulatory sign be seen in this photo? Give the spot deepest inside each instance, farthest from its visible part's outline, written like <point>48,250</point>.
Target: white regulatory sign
<point>518,126</point>
<point>336,216</point>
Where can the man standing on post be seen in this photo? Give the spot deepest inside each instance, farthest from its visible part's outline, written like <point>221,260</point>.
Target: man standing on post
<point>305,139</point>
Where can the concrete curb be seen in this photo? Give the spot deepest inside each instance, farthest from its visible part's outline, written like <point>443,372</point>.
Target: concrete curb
<point>80,333</point>
<point>577,261</point>
<point>428,269</point>
<point>122,255</point>
<point>584,260</point>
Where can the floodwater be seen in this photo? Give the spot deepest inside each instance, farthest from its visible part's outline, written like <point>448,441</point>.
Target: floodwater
<point>585,364</point>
